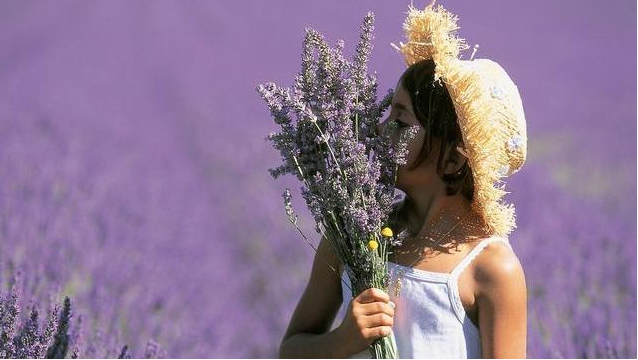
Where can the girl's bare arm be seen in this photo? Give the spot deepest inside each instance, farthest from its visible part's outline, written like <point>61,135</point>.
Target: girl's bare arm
<point>308,334</point>
<point>502,303</point>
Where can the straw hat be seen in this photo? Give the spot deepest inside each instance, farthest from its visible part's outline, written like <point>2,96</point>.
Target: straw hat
<point>487,104</point>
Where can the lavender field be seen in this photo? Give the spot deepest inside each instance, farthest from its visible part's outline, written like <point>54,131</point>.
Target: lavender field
<point>133,167</point>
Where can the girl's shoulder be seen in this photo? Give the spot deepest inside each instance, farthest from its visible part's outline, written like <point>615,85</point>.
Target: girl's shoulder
<point>500,280</point>
<point>498,261</point>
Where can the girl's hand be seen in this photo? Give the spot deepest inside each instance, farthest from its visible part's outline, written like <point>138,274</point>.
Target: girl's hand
<point>370,316</point>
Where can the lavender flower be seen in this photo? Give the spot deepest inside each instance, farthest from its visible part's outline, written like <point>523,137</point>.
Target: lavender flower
<point>9,320</point>
<point>288,204</point>
<point>153,350</point>
<point>347,172</point>
<point>124,353</point>
<point>46,338</point>
<point>61,340</point>
<point>29,337</point>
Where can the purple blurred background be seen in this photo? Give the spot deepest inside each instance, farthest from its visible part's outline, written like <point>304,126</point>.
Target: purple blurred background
<point>133,165</point>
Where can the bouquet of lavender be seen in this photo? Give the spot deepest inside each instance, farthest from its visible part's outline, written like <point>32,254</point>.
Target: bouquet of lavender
<point>328,140</point>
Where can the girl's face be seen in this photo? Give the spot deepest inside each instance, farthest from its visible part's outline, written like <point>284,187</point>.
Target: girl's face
<point>401,111</point>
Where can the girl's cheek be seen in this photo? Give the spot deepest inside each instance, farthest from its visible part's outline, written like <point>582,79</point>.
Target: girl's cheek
<point>413,153</point>
<point>414,148</point>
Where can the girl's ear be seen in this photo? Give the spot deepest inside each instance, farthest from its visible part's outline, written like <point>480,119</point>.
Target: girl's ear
<point>456,159</point>
<point>461,150</point>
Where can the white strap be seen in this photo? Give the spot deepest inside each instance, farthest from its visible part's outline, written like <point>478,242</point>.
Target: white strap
<point>474,252</point>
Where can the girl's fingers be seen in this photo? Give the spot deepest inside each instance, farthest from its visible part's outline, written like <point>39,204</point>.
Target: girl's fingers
<point>372,295</point>
<point>380,319</point>
<point>378,307</point>
<point>377,332</point>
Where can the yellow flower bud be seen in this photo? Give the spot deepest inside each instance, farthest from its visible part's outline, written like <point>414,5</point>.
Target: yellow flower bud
<point>387,232</point>
<point>373,245</point>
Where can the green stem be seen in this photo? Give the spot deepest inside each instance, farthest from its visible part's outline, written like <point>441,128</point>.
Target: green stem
<point>334,158</point>
<point>313,246</point>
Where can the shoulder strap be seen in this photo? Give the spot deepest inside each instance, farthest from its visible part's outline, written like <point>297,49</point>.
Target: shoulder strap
<point>474,252</point>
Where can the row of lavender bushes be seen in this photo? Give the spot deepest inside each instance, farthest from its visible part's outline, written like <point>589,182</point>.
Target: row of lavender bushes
<point>580,265</point>
<point>577,247</point>
<point>31,339</point>
<point>46,328</point>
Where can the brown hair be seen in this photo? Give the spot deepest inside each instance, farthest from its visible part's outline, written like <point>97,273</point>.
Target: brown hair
<point>434,109</point>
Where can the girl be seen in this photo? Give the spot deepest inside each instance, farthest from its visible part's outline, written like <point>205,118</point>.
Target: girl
<point>457,289</point>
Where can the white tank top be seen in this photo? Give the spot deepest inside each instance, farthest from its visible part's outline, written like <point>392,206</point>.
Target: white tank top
<point>429,320</point>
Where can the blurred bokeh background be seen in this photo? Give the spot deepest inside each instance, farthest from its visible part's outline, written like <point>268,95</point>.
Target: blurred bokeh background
<point>133,165</point>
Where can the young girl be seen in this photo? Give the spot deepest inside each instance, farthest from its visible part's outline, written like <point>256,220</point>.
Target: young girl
<point>457,289</point>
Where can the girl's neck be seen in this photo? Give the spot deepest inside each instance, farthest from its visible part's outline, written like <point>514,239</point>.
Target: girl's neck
<point>436,216</point>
